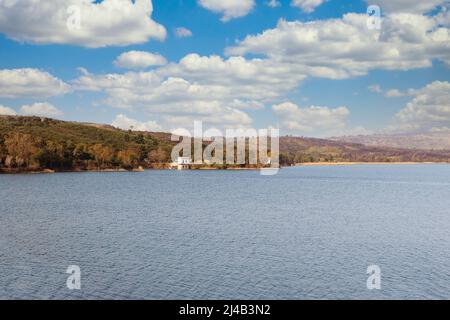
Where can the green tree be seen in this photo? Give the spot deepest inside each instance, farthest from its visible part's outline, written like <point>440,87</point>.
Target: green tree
<point>81,152</point>
<point>53,155</point>
<point>3,152</point>
<point>140,139</point>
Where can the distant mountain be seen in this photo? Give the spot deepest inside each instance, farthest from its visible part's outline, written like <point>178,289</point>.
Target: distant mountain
<point>295,150</point>
<point>423,141</point>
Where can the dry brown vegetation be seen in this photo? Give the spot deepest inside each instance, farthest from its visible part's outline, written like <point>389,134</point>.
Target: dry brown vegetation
<point>32,143</point>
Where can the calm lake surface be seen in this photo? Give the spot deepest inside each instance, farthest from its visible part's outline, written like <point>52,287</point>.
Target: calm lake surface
<point>306,233</point>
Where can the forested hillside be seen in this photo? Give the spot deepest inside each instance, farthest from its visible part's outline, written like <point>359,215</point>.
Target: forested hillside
<point>31,143</point>
<point>35,144</point>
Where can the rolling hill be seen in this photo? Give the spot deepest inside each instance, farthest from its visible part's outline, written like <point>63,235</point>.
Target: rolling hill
<point>33,143</point>
<point>424,141</point>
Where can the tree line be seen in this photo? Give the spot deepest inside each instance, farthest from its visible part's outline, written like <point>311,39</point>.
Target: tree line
<point>23,151</point>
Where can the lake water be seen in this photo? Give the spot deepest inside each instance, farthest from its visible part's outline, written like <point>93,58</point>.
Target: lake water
<point>306,233</point>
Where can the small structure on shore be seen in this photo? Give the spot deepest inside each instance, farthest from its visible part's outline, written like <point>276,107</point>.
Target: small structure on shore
<point>183,163</point>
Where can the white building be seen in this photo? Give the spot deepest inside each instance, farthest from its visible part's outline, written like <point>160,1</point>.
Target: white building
<point>182,163</point>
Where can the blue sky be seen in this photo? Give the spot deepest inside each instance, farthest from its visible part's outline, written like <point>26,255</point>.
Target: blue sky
<point>317,99</point>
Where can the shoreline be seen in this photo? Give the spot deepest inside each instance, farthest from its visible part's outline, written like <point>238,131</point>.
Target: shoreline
<point>331,164</point>
<point>137,170</point>
<point>121,170</point>
<point>50,171</point>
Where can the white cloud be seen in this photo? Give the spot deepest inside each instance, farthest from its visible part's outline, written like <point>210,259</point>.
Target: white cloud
<point>220,90</point>
<point>318,121</point>
<point>429,110</point>
<point>210,89</point>
<point>139,60</point>
<point>105,23</point>
<point>307,6</point>
<point>215,90</point>
<point>125,123</point>
<point>19,83</point>
<point>175,98</point>
<point>394,93</point>
<point>41,109</point>
<point>226,118</point>
<point>441,130</point>
<point>274,3</point>
<point>5,111</point>
<point>182,32</point>
<point>255,79</point>
<point>230,8</point>
<point>196,85</point>
<point>247,104</point>
<point>375,88</point>
<point>410,6</point>
<point>343,48</point>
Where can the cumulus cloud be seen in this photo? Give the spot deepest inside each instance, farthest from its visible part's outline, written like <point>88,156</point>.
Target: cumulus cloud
<point>20,83</point>
<point>123,122</point>
<point>105,23</point>
<point>394,93</point>
<point>208,88</point>
<point>220,90</point>
<point>410,6</point>
<point>320,121</point>
<point>176,98</point>
<point>343,48</point>
<point>41,109</point>
<point>375,88</point>
<point>225,118</point>
<point>429,110</point>
<point>182,32</point>
<point>307,6</point>
<point>139,60</point>
<point>230,8</point>
<point>6,111</point>
<point>273,3</point>
<point>254,79</point>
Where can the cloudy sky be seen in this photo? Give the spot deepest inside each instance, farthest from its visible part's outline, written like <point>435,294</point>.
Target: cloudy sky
<point>309,67</point>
